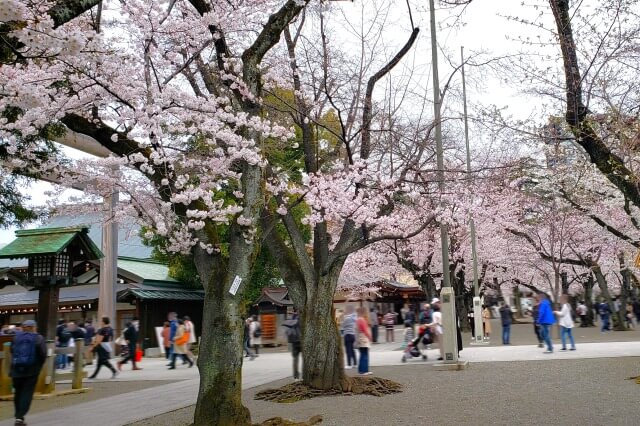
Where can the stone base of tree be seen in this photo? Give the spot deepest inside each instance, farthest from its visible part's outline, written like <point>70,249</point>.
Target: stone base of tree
<point>297,391</point>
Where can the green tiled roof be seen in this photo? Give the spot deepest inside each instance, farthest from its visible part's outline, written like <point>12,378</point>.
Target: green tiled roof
<point>161,294</point>
<point>49,241</point>
<point>147,270</point>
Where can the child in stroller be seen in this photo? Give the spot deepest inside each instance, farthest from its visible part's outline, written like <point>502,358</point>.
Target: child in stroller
<point>413,348</point>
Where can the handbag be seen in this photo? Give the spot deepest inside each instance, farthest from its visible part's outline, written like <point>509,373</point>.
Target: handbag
<point>121,341</point>
<point>182,339</point>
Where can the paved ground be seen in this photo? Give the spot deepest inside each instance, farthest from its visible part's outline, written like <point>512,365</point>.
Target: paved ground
<point>552,392</point>
<point>157,397</point>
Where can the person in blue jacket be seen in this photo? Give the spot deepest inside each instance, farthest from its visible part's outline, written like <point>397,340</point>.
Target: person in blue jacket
<point>545,319</point>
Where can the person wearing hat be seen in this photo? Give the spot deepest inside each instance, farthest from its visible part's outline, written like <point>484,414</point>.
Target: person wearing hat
<point>28,354</point>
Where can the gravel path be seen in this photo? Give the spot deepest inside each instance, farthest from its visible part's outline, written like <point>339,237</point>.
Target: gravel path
<point>553,392</point>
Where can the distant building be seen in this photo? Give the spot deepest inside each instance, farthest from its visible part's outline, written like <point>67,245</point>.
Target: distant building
<point>144,288</point>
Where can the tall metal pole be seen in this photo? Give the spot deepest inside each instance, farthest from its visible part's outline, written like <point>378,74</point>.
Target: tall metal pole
<point>447,294</point>
<point>477,306</point>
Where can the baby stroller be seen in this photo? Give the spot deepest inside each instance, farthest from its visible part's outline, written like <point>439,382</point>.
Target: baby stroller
<point>413,348</point>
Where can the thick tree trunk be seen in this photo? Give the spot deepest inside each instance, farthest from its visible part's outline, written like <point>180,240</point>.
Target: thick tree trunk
<point>625,290</point>
<point>604,290</point>
<point>323,366</point>
<point>220,361</point>
<point>427,284</point>
<point>518,302</point>
<point>462,305</point>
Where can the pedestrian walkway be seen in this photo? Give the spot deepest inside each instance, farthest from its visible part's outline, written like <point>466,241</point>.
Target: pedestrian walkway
<point>129,407</point>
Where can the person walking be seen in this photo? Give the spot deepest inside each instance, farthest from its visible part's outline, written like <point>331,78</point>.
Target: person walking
<point>546,320</point>
<point>247,340</point>
<point>636,311</point>
<point>130,334</point>
<point>189,328</point>
<point>389,320</point>
<point>436,326</point>
<point>373,320</point>
<point>28,354</point>
<point>605,312</point>
<point>408,334</point>
<point>166,339</point>
<point>506,317</point>
<point>89,334</point>
<point>180,340</point>
<point>565,320</point>
<point>63,336</point>
<point>349,333</point>
<point>293,337</point>
<point>255,335</point>
<point>426,315</point>
<point>486,321</point>
<point>173,327</point>
<point>102,348</point>
<point>364,341</point>
<point>536,327</point>
<point>582,310</point>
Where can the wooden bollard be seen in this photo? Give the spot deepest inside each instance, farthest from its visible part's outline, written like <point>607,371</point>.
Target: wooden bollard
<point>78,364</point>
<point>5,367</point>
<point>47,379</point>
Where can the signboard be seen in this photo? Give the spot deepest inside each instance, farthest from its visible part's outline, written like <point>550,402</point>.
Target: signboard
<point>158,331</point>
<point>235,285</point>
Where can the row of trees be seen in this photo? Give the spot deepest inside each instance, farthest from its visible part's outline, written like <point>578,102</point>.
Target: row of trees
<point>300,128</point>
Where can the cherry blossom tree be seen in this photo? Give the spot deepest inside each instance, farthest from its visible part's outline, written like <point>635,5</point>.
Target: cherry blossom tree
<point>185,133</point>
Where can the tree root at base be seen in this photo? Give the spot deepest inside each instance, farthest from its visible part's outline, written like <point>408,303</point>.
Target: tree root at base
<point>293,392</point>
<point>279,421</point>
<point>636,378</point>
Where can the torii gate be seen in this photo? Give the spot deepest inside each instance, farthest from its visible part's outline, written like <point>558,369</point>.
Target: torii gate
<point>109,247</point>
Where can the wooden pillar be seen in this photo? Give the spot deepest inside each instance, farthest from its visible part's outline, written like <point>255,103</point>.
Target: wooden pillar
<point>47,316</point>
<point>78,364</point>
<point>5,366</point>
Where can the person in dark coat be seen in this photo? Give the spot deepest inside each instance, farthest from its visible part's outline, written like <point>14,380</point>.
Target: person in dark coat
<point>28,354</point>
<point>103,349</point>
<point>536,326</point>
<point>131,337</point>
<point>506,317</point>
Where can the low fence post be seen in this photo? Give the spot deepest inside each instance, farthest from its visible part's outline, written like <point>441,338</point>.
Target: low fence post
<point>78,365</point>
<point>5,367</point>
<point>47,379</point>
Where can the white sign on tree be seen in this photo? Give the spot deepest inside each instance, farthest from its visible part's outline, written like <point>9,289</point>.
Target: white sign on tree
<point>235,285</point>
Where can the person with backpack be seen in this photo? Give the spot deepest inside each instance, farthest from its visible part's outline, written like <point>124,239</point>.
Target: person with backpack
<point>293,337</point>
<point>28,354</point>
<point>255,335</point>
<point>103,349</point>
